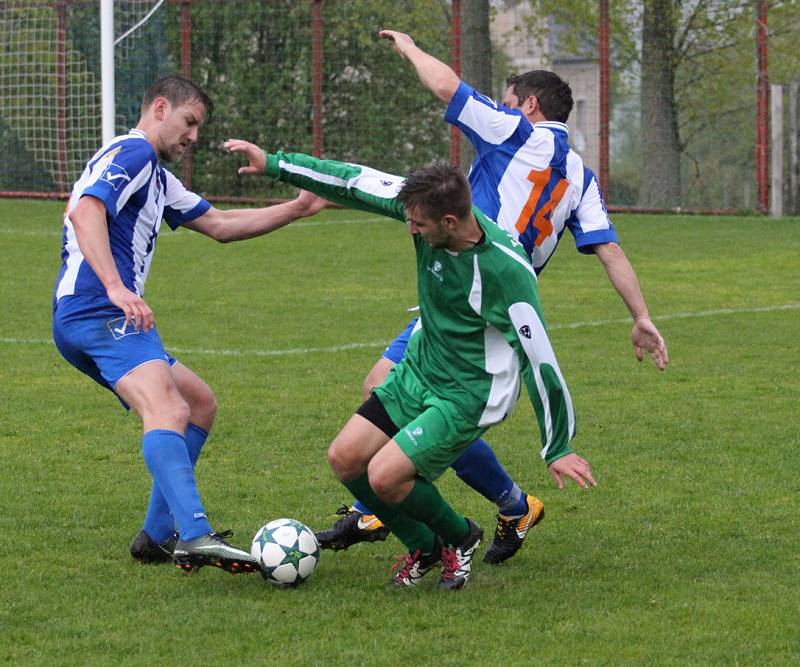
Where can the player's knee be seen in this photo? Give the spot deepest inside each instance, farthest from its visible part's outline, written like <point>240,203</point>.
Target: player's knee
<point>204,411</point>
<point>343,461</point>
<point>367,387</point>
<point>376,376</point>
<point>180,412</point>
<point>385,482</point>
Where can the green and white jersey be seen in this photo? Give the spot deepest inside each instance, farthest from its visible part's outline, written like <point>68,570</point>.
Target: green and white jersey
<point>483,328</point>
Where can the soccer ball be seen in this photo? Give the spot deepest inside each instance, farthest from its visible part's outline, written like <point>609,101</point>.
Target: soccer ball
<point>287,550</point>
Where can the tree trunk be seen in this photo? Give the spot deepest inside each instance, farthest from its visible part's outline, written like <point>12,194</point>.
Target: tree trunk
<point>476,58</point>
<point>661,166</point>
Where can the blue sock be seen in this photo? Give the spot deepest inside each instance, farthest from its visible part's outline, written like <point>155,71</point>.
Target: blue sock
<point>158,522</point>
<point>478,466</point>
<point>167,458</point>
<point>358,506</point>
<point>515,503</point>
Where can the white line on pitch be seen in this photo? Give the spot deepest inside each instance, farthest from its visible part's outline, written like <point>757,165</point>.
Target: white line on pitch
<point>380,344</point>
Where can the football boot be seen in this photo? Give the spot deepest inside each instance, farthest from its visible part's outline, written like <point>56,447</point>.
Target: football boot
<point>148,551</point>
<point>212,549</point>
<point>457,559</point>
<point>351,529</point>
<point>510,532</point>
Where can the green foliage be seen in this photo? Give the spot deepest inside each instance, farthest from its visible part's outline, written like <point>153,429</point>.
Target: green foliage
<point>685,554</point>
<point>714,82</point>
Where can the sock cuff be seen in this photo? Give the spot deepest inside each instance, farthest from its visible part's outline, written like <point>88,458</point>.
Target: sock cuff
<point>158,432</point>
<point>197,429</point>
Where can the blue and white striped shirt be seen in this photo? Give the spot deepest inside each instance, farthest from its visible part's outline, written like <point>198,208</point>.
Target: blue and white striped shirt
<point>137,192</point>
<point>528,179</point>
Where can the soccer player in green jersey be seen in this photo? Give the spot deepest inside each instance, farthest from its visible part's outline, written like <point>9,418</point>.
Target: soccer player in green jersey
<point>483,335</point>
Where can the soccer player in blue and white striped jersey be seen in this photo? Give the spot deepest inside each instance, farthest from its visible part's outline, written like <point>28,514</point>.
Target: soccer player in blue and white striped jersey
<point>528,179</point>
<point>103,326</point>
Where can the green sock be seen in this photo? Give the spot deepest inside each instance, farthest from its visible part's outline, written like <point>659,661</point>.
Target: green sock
<point>412,533</point>
<point>426,504</point>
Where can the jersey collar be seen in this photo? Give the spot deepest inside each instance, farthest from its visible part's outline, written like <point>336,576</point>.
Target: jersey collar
<point>553,125</point>
<point>138,133</point>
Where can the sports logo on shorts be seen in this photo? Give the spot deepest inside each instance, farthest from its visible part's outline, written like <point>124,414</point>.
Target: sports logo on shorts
<point>119,330</point>
<point>115,175</point>
<point>525,330</point>
<point>414,434</point>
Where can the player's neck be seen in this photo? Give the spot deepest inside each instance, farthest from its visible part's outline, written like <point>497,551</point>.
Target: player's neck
<point>468,235</point>
<point>536,117</point>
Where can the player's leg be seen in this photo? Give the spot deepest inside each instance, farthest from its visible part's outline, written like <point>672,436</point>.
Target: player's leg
<point>358,523</point>
<point>402,473</point>
<point>349,455</point>
<point>156,541</point>
<point>151,390</point>
<point>518,512</point>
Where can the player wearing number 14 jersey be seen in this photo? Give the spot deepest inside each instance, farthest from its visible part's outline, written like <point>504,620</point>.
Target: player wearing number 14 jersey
<point>527,178</point>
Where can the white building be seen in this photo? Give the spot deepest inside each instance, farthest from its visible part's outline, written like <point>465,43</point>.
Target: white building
<point>527,47</point>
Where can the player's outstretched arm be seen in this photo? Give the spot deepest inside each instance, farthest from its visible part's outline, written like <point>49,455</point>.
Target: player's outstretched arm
<point>238,224</point>
<point>350,185</point>
<point>437,77</point>
<point>91,231</point>
<point>644,334</point>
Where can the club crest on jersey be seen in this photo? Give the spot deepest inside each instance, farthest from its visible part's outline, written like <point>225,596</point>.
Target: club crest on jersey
<point>436,269</point>
<point>119,330</point>
<point>116,176</point>
<point>525,331</point>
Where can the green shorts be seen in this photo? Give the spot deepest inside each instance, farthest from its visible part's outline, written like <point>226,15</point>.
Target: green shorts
<point>432,432</point>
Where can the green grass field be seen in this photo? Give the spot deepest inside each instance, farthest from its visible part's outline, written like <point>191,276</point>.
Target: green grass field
<point>686,553</point>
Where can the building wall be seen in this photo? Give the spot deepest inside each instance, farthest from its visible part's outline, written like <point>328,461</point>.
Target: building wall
<point>511,33</point>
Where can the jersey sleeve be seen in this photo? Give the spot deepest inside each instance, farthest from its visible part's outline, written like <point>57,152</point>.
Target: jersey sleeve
<point>350,185</point>
<point>119,172</point>
<point>486,123</point>
<point>589,222</point>
<point>514,310</point>
<point>181,205</point>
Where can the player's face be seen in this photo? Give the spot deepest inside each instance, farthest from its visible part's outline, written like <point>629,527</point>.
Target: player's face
<point>179,129</point>
<point>433,232</point>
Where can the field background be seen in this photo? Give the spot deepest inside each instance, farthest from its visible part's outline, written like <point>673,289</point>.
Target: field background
<point>687,552</point>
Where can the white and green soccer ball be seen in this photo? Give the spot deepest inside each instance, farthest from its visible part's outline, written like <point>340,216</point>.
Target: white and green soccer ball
<point>287,550</point>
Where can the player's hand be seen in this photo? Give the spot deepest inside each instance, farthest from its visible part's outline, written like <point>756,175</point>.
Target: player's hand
<point>308,203</point>
<point>134,307</point>
<point>400,40</point>
<point>645,336</point>
<point>255,156</point>
<point>574,467</point>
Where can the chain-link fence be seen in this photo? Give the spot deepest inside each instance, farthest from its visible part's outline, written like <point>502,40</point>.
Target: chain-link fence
<point>312,76</point>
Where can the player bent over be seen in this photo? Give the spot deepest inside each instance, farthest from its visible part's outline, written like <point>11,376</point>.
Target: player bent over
<point>527,178</point>
<point>103,327</point>
<point>483,333</point>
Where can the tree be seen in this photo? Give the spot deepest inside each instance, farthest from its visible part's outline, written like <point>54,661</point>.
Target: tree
<point>476,58</point>
<point>660,186</point>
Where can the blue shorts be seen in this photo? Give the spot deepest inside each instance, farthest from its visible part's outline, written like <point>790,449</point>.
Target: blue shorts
<point>90,333</point>
<point>397,348</point>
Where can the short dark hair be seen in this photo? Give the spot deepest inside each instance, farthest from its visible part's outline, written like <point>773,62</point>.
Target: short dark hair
<point>438,190</point>
<point>553,93</point>
<point>178,90</point>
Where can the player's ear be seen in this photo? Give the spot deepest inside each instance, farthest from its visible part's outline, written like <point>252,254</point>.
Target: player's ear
<point>531,105</point>
<point>160,108</point>
<point>450,221</point>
